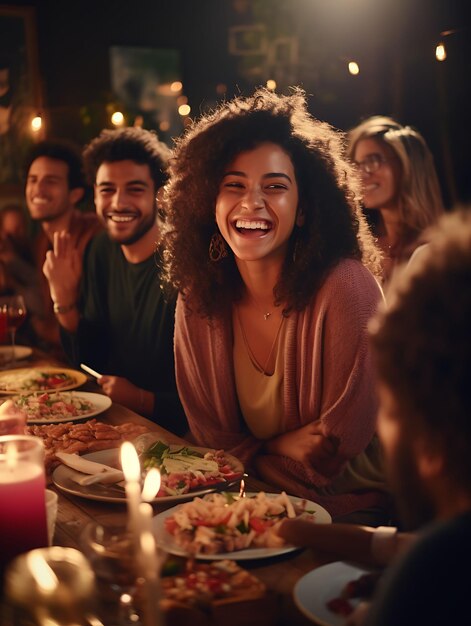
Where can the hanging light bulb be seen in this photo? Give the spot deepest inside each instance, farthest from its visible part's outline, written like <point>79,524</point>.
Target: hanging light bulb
<point>36,124</point>
<point>353,68</point>
<point>440,52</point>
<point>117,118</point>
<point>184,109</point>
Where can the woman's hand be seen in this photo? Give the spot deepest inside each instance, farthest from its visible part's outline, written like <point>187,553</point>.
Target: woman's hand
<point>308,446</point>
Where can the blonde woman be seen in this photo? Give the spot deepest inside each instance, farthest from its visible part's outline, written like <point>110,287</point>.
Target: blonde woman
<point>401,192</point>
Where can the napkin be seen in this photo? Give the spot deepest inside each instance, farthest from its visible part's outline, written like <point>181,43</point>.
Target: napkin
<point>95,472</point>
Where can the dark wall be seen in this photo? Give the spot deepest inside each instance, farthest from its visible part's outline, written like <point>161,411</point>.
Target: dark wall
<point>393,40</point>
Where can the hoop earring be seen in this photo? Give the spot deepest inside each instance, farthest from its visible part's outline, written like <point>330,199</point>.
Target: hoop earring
<point>217,248</point>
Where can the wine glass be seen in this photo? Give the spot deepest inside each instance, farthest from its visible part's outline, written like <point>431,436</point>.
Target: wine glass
<point>13,310</point>
<point>108,545</point>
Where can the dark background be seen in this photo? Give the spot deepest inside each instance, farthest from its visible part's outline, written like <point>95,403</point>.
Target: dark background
<point>392,40</point>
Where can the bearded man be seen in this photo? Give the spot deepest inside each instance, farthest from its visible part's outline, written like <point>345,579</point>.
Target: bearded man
<point>120,322</point>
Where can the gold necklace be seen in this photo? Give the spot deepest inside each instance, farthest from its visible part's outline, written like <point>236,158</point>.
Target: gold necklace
<point>255,363</point>
<point>267,315</point>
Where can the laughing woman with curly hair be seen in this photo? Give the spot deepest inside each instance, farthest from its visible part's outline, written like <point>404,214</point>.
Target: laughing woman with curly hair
<point>274,264</point>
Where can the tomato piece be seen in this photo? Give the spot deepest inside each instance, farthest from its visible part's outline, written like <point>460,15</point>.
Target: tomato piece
<point>340,606</point>
<point>170,525</point>
<point>259,525</point>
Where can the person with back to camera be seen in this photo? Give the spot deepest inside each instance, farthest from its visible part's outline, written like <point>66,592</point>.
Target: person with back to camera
<point>401,191</point>
<point>422,348</point>
<point>268,247</point>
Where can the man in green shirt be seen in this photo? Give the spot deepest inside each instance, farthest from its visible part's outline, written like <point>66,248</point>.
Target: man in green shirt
<point>118,321</point>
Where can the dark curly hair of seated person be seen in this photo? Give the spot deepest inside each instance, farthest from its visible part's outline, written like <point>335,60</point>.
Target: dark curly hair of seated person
<point>334,227</point>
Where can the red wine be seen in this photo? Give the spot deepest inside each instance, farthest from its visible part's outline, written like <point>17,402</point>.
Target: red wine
<point>15,319</point>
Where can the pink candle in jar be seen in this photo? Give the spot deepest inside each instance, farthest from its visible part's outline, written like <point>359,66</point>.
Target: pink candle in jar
<point>23,524</point>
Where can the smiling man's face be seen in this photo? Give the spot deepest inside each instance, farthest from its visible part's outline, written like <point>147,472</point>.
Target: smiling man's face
<point>48,195</point>
<point>125,200</point>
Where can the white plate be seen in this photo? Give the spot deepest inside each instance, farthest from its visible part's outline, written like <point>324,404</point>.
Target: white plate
<point>100,403</point>
<point>315,589</point>
<point>21,352</point>
<point>113,493</point>
<point>167,542</point>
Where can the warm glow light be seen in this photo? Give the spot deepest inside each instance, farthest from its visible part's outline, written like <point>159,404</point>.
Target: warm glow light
<point>117,119</point>
<point>353,68</point>
<point>151,485</point>
<point>182,100</point>
<point>271,84</point>
<point>36,123</point>
<point>176,86</point>
<point>440,52</point>
<point>42,572</point>
<point>130,462</point>
<point>184,109</point>
<point>164,125</point>
<point>11,455</point>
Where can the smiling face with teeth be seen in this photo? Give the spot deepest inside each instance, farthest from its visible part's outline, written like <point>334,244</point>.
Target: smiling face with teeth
<point>257,204</point>
<point>125,200</point>
<point>381,189</point>
<point>48,194</point>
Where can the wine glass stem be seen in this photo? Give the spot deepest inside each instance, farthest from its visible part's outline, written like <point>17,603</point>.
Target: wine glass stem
<point>13,353</point>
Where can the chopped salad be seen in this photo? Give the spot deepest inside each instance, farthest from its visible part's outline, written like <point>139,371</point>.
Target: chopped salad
<point>225,522</point>
<point>48,406</point>
<point>183,469</point>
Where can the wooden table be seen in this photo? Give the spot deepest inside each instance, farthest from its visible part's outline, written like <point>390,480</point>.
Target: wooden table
<point>279,574</point>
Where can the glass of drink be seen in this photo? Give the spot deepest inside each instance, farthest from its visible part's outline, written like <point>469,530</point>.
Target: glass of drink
<point>50,586</point>
<point>23,524</point>
<point>108,545</point>
<point>13,308</point>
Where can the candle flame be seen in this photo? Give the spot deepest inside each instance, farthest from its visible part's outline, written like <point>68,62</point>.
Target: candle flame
<point>130,462</point>
<point>151,485</point>
<point>242,489</point>
<point>42,572</point>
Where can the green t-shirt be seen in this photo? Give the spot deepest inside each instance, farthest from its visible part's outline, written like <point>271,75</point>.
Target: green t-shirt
<point>126,326</point>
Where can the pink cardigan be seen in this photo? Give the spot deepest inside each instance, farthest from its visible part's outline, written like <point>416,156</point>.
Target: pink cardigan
<point>328,378</point>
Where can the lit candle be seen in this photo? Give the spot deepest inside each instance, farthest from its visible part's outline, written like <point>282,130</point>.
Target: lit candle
<point>23,524</point>
<point>150,568</point>
<point>132,474</point>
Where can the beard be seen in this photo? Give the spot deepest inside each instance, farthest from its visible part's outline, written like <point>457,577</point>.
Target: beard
<point>415,506</point>
<point>142,228</point>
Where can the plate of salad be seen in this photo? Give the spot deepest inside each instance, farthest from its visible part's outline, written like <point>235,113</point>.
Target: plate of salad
<point>46,407</point>
<point>186,471</point>
<point>231,526</point>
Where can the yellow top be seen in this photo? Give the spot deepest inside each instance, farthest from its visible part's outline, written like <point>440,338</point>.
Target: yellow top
<point>260,395</point>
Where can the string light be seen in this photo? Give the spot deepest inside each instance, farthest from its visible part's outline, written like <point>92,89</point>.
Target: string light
<point>36,124</point>
<point>353,68</point>
<point>184,109</point>
<point>176,86</point>
<point>117,119</point>
<point>440,52</point>
<point>271,84</point>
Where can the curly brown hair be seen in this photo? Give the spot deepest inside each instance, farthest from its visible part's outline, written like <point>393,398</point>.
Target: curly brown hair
<point>334,226</point>
<point>422,343</point>
<point>134,144</point>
